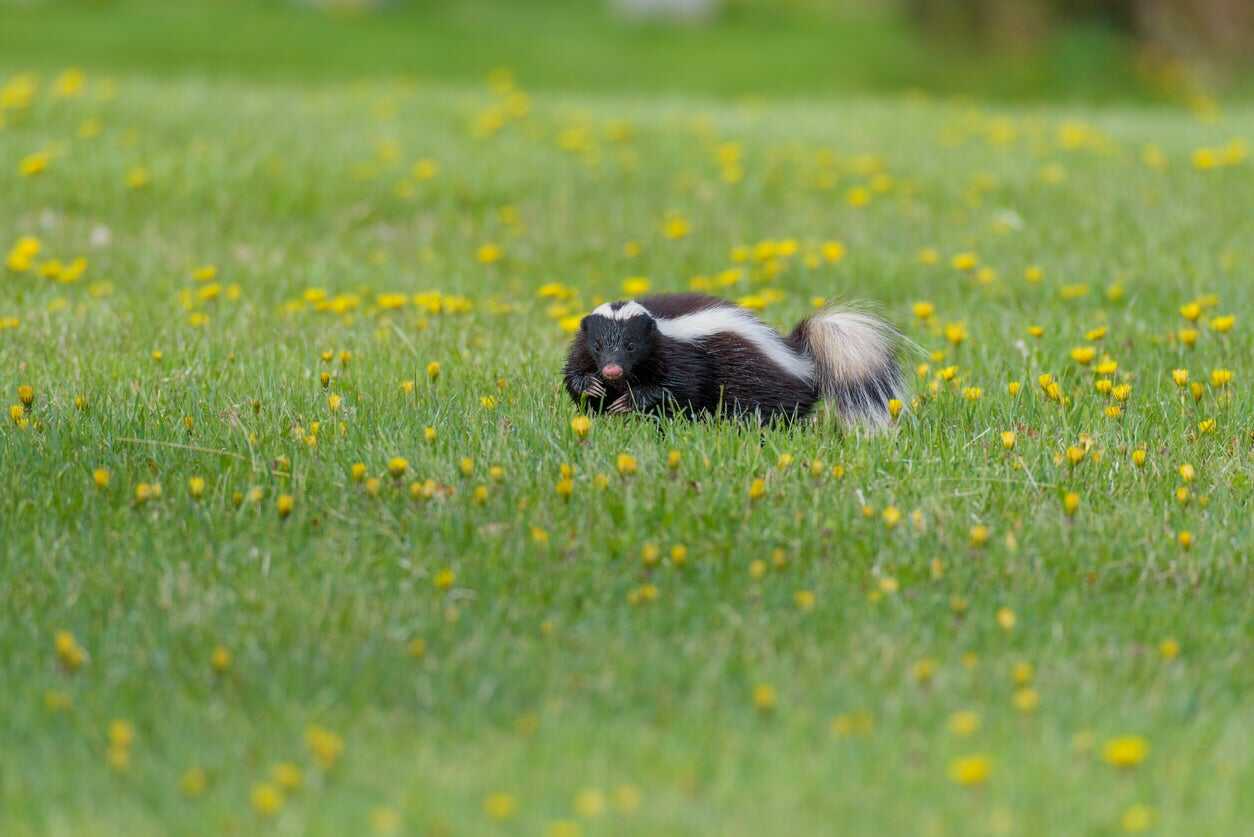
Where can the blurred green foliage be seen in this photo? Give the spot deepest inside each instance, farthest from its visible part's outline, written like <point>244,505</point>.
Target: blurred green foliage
<point>752,48</point>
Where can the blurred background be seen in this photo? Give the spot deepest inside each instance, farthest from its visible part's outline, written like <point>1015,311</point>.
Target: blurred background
<point>1184,51</point>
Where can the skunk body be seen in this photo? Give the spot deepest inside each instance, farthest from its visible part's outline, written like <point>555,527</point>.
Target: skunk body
<point>693,354</point>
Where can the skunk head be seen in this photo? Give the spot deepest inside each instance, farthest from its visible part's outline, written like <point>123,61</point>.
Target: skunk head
<point>620,335</point>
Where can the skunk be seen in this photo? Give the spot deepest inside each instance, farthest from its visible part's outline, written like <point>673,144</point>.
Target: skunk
<point>690,354</point>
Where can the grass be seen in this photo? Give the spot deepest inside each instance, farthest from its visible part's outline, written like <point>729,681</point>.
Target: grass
<point>541,680</point>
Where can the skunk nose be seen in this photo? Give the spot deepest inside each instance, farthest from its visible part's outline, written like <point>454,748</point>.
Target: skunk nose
<point>612,371</point>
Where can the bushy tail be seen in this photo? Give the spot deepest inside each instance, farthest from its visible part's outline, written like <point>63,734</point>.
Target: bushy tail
<point>855,358</point>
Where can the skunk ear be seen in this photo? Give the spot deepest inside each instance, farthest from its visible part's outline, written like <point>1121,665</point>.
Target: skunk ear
<point>583,324</point>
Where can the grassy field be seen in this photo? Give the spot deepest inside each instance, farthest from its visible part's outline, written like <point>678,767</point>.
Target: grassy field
<point>223,295</point>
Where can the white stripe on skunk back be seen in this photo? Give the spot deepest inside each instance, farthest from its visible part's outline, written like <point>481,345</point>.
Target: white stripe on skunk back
<point>856,358</point>
<point>739,321</point>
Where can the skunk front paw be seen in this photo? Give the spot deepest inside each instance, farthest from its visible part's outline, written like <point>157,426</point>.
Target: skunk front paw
<point>585,386</point>
<point>593,387</point>
<point>621,404</point>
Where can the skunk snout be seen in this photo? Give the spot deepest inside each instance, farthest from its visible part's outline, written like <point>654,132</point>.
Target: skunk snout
<point>611,371</point>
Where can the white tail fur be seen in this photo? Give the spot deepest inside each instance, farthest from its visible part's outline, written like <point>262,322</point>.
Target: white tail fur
<point>855,356</point>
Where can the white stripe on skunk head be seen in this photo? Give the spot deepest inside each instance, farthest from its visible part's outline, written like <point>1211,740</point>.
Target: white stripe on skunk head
<point>620,310</point>
<point>731,320</point>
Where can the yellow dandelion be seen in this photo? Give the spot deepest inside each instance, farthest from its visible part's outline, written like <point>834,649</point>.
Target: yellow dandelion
<point>1125,751</point>
<point>764,698</point>
<point>970,770</point>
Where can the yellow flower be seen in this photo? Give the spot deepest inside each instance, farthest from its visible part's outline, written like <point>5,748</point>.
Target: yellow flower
<point>138,177</point>
<point>972,393</point>
<point>1206,426</point>
<point>489,254</point>
<point>635,285</point>
<point>833,251</point>
<point>101,477</point>
<point>433,370</point>
<point>924,310</point>
<point>590,803</point>
<point>1187,336</point>
<point>69,652</point>
<point>284,505</point>
<point>1008,439</point>
<point>894,407</point>
<point>500,806</point>
<point>891,516</point>
<point>965,261</point>
<point>1070,503</point>
<point>1036,331</point>
<point>193,782</point>
<point>1125,751</point>
<point>1191,311</point>
<point>1006,618</point>
<point>956,333</point>
<point>466,466</point>
<point>964,723</point>
<point>425,169</point>
<point>1169,649</point>
<point>1026,700</point>
<point>220,659</point>
<point>397,466</point>
<point>970,770</point>
<point>1083,355</point>
<point>1220,378</point>
<point>978,535</point>
<point>565,487</point>
<point>1224,324</point>
<point>1185,540</point>
<point>626,464</point>
<point>764,698</point>
<point>675,227</point>
<point>1137,818</point>
<point>581,425</point>
<point>429,434</point>
<point>1013,388</point>
<point>1033,274</point>
<point>196,487</point>
<point>267,799</point>
<point>757,489</point>
<point>33,164</point>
